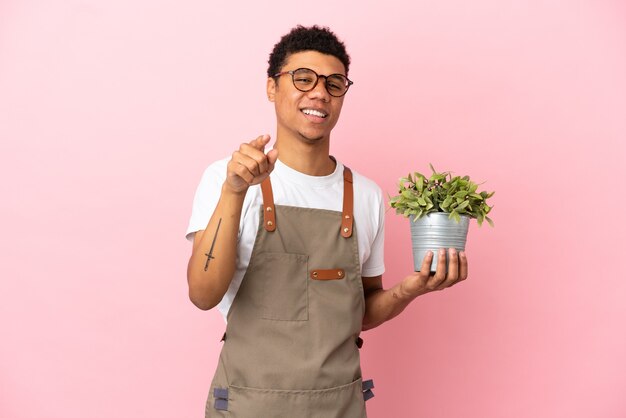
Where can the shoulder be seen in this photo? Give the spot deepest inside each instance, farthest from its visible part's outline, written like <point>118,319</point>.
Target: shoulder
<point>365,187</point>
<point>368,198</point>
<point>216,170</point>
<point>213,176</point>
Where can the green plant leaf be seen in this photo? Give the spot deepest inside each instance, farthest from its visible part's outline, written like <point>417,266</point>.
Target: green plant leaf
<point>418,215</point>
<point>419,183</point>
<point>419,195</point>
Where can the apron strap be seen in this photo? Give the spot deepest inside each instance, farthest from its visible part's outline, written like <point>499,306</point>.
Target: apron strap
<point>347,214</point>
<point>269,211</point>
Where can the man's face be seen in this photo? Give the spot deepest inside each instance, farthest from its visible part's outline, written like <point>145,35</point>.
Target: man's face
<point>308,116</point>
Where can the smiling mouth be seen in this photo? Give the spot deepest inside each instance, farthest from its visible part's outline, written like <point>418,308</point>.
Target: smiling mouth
<point>314,112</point>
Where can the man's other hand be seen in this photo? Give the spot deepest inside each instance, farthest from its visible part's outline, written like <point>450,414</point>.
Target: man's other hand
<point>421,282</point>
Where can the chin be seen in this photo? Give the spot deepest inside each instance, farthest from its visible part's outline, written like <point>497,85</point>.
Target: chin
<point>311,138</point>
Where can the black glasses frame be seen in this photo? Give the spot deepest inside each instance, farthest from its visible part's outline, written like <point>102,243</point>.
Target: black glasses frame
<point>317,78</point>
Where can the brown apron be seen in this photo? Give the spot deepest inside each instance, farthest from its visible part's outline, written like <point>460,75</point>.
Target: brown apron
<point>291,347</point>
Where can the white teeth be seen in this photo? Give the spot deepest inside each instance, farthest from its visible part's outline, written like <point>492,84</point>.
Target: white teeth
<point>314,112</point>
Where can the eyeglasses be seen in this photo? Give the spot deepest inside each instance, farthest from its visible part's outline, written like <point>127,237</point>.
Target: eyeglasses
<point>305,79</point>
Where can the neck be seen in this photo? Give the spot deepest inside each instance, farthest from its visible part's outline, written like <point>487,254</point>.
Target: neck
<point>312,159</point>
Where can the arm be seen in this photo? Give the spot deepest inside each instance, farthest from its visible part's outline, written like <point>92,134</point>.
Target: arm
<point>381,305</point>
<point>212,263</point>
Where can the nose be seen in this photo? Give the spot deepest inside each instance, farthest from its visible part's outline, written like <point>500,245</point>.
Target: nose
<point>319,91</point>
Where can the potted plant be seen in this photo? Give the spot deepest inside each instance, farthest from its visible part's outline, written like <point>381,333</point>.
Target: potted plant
<point>440,208</point>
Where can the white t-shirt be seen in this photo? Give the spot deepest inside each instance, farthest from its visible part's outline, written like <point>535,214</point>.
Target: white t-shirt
<point>292,188</point>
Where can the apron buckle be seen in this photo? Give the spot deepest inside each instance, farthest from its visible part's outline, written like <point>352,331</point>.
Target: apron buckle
<point>221,399</point>
<point>368,385</point>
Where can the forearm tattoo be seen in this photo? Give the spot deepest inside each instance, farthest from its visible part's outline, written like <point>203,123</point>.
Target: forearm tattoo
<point>209,255</point>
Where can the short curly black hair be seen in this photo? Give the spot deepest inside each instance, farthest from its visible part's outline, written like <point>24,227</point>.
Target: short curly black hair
<point>301,38</point>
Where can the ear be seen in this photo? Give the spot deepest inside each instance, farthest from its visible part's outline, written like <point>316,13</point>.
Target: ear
<point>271,89</point>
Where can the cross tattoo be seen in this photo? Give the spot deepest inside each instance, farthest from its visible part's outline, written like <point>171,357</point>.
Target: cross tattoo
<point>209,255</point>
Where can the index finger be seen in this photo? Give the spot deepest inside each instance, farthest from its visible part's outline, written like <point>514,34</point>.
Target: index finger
<point>260,142</point>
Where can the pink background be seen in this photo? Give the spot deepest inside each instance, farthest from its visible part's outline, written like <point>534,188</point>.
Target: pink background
<point>110,111</point>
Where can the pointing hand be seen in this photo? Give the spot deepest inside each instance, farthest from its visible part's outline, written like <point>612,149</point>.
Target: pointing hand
<point>250,165</point>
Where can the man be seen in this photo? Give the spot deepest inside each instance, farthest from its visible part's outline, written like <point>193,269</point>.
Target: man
<point>294,260</point>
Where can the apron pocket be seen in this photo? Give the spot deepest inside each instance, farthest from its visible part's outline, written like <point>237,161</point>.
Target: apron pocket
<point>283,280</point>
<point>344,401</point>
